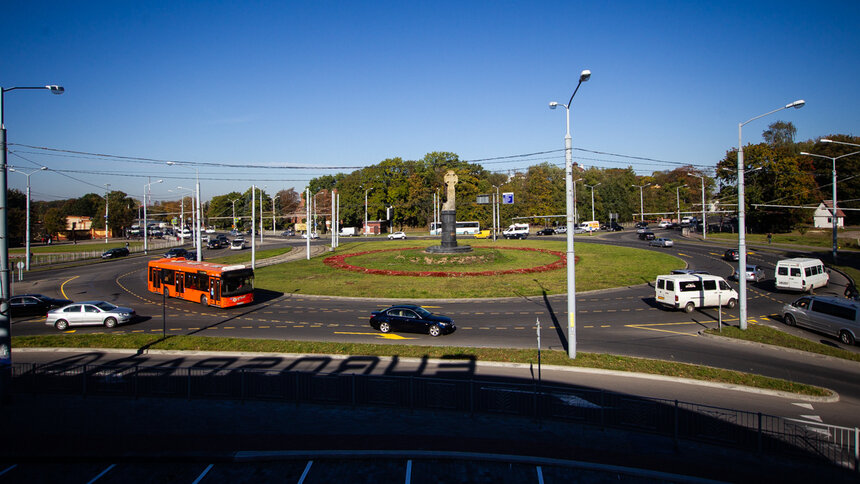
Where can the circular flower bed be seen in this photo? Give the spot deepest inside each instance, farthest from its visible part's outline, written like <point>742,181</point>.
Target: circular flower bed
<point>339,262</point>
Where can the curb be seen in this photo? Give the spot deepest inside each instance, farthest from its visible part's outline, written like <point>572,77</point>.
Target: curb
<point>833,397</point>
<point>832,359</point>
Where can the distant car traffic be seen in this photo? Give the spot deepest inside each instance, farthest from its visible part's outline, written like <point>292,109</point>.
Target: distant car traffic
<point>214,244</point>
<point>754,273</point>
<point>561,229</point>
<point>661,242</point>
<point>411,318</point>
<point>647,235</point>
<point>115,252</point>
<point>34,304</point>
<point>545,231</point>
<point>237,244</point>
<point>484,234</point>
<point>314,235</point>
<point>579,230</point>
<point>665,224</point>
<point>89,313</point>
<point>176,252</point>
<point>397,235</point>
<point>288,233</point>
<point>732,255</point>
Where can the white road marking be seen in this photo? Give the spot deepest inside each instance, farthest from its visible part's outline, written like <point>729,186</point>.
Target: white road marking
<point>305,473</point>
<point>203,474</point>
<point>94,479</point>
<point>807,406</point>
<point>814,418</point>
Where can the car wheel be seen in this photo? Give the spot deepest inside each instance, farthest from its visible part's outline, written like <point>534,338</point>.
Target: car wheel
<point>789,320</point>
<point>435,330</point>
<point>689,307</point>
<point>732,303</point>
<point>61,325</point>
<point>204,300</point>
<point>384,327</point>
<point>846,337</point>
<point>110,322</point>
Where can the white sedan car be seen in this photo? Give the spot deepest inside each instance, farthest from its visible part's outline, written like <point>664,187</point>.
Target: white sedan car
<point>661,243</point>
<point>397,235</point>
<point>314,235</point>
<point>89,313</point>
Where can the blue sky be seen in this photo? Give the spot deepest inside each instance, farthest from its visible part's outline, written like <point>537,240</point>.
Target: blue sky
<point>325,83</point>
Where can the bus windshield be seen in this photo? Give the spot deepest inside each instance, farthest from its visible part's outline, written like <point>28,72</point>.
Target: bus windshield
<point>235,283</point>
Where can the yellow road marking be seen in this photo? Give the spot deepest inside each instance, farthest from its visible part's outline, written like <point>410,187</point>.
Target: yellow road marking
<point>683,254</point>
<point>377,335</point>
<point>62,291</point>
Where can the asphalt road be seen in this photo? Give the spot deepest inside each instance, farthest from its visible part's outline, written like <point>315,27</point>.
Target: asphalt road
<point>623,321</point>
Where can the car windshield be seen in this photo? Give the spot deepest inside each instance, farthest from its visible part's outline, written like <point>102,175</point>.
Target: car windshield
<point>105,306</point>
<point>237,282</point>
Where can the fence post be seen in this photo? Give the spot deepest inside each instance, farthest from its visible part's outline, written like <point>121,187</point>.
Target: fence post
<point>353,389</point>
<point>84,380</point>
<point>857,449</point>
<point>189,384</point>
<point>242,386</point>
<point>602,408</point>
<point>411,393</point>
<point>675,432</point>
<point>35,378</point>
<point>759,443</point>
<point>471,397</point>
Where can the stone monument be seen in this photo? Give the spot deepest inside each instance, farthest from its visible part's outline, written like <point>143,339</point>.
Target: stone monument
<point>449,220</point>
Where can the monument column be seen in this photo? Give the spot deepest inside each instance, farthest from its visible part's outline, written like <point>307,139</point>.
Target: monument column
<point>449,219</point>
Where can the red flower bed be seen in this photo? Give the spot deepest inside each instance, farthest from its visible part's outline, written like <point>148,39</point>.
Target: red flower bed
<point>339,262</point>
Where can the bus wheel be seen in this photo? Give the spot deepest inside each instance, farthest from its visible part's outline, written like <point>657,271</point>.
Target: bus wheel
<point>204,300</point>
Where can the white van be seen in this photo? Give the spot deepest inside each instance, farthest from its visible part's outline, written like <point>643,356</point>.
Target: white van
<point>801,274</point>
<point>590,226</point>
<point>516,231</point>
<point>691,291</point>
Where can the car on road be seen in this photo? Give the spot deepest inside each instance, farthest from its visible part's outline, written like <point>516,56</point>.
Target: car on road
<point>192,255</point>
<point>754,273</point>
<point>641,229</point>
<point>561,229</point>
<point>412,319</point>
<point>210,230</point>
<point>34,304</point>
<point>545,231</point>
<point>214,244</point>
<point>288,233</point>
<point>661,242</point>
<point>731,255</point>
<point>830,315</point>
<point>665,224</point>
<point>689,271</point>
<point>237,244</point>
<point>647,235</point>
<point>115,252</point>
<point>484,234</point>
<point>612,227</point>
<point>89,313</point>
<point>691,291</point>
<point>579,230</point>
<point>176,252</point>
<point>314,235</point>
<point>397,235</point>
<point>224,240</point>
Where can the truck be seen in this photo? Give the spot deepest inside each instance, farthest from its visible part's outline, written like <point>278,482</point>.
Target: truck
<point>348,231</point>
<point>516,231</point>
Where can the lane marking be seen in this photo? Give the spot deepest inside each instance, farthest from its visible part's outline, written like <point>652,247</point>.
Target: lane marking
<point>62,291</point>
<point>94,479</point>
<point>8,469</point>
<point>201,476</point>
<point>377,335</point>
<point>814,418</point>
<point>807,406</point>
<point>305,473</point>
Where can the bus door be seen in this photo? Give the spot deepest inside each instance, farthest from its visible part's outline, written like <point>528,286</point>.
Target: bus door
<point>180,283</point>
<point>155,277</point>
<point>215,288</point>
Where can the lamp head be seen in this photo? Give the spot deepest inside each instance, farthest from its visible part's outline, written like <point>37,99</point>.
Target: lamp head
<point>796,104</point>
<point>584,75</point>
<point>56,89</point>
<point>159,181</point>
<point>43,168</point>
<point>826,140</point>
<point>805,153</point>
<point>553,105</point>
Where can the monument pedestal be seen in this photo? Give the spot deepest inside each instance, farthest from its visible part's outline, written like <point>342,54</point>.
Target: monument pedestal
<point>449,236</point>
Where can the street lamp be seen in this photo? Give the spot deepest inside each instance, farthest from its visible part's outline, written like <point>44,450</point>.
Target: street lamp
<point>365,209</point>
<point>145,223</point>
<point>641,201</point>
<point>5,293</point>
<point>742,228</point>
<point>704,220</point>
<point>197,210</point>
<point>678,198</point>
<point>569,205</point>
<point>107,194</point>
<point>833,217</point>
<point>27,241</point>
<point>182,212</point>
<point>592,197</point>
<point>233,202</point>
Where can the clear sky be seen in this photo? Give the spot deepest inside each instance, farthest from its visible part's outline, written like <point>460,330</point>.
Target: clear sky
<point>323,84</point>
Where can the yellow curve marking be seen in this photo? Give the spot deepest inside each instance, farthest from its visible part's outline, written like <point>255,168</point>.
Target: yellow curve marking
<point>63,285</point>
<point>377,335</point>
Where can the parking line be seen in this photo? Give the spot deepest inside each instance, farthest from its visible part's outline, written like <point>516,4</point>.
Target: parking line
<point>8,469</point>
<point>408,471</point>
<point>540,475</point>
<point>94,479</point>
<point>305,473</point>
<point>201,476</point>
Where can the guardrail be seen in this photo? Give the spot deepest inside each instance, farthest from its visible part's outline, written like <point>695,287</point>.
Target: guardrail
<point>40,259</point>
<point>671,418</point>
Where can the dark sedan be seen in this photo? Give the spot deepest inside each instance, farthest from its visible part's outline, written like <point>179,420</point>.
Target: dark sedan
<point>114,253</point>
<point>214,244</point>
<point>412,319</point>
<point>176,252</point>
<point>34,304</point>
<point>546,231</point>
<point>732,255</point>
<point>647,235</point>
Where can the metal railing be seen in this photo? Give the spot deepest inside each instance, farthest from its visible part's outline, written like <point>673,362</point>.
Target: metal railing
<point>671,418</point>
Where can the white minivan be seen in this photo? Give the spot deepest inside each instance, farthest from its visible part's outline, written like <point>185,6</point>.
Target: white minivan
<point>691,291</point>
<point>801,274</point>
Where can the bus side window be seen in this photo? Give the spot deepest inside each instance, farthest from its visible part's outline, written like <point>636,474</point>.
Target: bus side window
<point>167,276</point>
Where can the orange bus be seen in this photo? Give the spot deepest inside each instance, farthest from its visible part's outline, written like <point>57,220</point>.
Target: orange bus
<point>204,282</point>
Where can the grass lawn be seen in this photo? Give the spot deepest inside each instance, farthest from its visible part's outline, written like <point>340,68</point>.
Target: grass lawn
<point>584,360</point>
<point>242,256</point>
<point>767,335</point>
<point>599,267</point>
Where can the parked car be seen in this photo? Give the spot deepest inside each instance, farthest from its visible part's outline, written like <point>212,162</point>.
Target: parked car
<point>661,242</point>
<point>214,244</point>
<point>33,304</point>
<point>731,255</point>
<point>397,235</point>
<point>114,253</point>
<point>176,252</point>
<point>830,315</point>
<point>647,235</point>
<point>484,234</point>
<point>754,273</point>
<point>545,231</point>
<point>411,318</point>
<point>238,243</point>
<point>89,313</point>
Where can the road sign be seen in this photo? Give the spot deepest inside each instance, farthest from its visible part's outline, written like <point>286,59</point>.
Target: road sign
<point>483,200</point>
<point>508,198</point>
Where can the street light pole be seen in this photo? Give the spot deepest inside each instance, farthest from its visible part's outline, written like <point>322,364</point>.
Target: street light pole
<point>678,198</point>
<point>592,197</point>
<point>569,206</point>
<point>704,220</point>
<point>27,241</point>
<point>742,228</point>
<point>5,293</point>
<point>641,201</point>
<point>107,193</point>
<point>145,223</point>
<point>233,202</point>
<point>198,213</point>
<point>365,209</point>
<point>833,217</point>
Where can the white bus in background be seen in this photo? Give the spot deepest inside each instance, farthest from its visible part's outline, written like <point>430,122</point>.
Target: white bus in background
<point>463,228</point>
